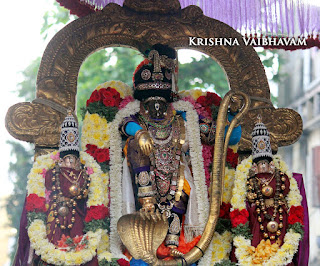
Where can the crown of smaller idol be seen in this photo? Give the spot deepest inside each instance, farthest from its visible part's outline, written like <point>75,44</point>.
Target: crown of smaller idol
<point>69,136</point>
<point>261,146</point>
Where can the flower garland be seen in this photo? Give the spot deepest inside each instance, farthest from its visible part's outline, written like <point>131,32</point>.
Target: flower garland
<point>105,148</point>
<point>206,104</point>
<point>221,244</point>
<point>102,109</point>
<point>116,173</point>
<point>193,135</point>
<point>239,216</point>
<point>35,205</point>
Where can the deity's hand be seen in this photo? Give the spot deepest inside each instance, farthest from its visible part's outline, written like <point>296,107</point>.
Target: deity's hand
<point>149,211</point>
<point>145,141</point>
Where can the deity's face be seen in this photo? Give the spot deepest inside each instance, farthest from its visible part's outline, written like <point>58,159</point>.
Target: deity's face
<point>156,107</point>
<point>263,166</point>
<point>70,161</point>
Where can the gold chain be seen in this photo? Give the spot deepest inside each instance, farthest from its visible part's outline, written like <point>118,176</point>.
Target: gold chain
<point>72,181</point>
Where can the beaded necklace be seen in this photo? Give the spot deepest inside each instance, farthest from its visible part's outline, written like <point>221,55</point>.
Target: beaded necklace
<point>61,204</point>
<point>256,195</point>
<point>166,178</point>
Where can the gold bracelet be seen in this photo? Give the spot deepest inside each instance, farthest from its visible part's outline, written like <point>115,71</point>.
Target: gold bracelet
<point>146,192</point>
<point>172,240</point>
<point>139,133</point>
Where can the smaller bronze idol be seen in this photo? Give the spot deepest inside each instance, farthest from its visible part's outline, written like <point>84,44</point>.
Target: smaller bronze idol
<point>67,185</point>
<point>267,188</point>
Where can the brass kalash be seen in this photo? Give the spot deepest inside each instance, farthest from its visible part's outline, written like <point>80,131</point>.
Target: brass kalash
<point>140,24</point>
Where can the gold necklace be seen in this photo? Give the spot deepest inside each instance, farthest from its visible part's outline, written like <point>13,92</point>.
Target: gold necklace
<point>266,189</point>
<point>75,181</point>
<point>62,207</point>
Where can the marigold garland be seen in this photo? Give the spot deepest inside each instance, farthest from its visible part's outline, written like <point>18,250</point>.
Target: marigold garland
<point>95,131</point>
<point>101,108</point>
<point>239,216</point>
<point>37,229</point>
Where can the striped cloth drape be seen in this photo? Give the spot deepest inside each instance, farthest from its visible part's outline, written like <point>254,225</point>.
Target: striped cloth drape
<point>289,18</point>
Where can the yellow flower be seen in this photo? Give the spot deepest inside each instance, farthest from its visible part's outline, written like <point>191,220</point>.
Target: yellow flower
<point>61,256</point>
<point>220,255</point>
<point>184,93</point>
<point>37,170</point>
<point>69,260</point>
<point>105,255</point>
<point>95,131</point>
<point>78,260</point>
<point>96,136</point>
<point>196,93</point>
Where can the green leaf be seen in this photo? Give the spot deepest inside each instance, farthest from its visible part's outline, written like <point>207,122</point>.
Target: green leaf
<point>31,216</point>
<point>223,225</point>
<point>108,112</point>
<point>243,230</point>
<point>69,241</point>
<point>298,228</point>
<point>225,262</point>
<point>94,225</point>
<point>104,166</point>
<point>104,262</point>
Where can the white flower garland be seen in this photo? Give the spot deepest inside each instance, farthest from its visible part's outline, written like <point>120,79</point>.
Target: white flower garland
<point>195,146</point>
<point>37,229</point>
<point>218,250</point>
<point>116,167</point>
<point>285,254</point>
<point>220,245</point>
<point>116,173</point>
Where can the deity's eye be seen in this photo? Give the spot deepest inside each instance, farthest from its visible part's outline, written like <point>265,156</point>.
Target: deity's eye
<point>168,74</point>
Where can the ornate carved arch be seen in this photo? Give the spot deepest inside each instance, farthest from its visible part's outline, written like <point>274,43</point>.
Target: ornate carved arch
<point>139,24</point>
